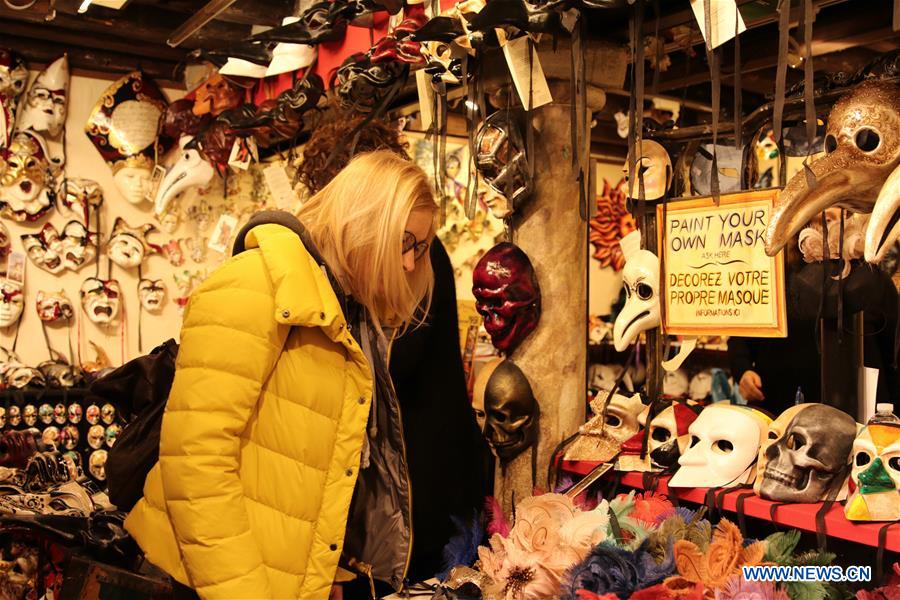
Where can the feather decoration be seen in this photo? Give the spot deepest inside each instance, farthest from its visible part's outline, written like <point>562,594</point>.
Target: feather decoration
<point>737,588</point>
<point>496,520</point>
<point>462,548</point>
<point>609,569</point>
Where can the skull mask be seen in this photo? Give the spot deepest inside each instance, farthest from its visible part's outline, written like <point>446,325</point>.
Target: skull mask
<point>100,299</point>
<point>641,283</point>
<point>501,158</point>
<point>26,178</point>
<point>654,167</point>
<point>507,295</point>
<point>12,302</point>
<point>876,474</point>
<point>152,292</point>
<point>54,306</point>
<point>669,437</point>
<point>615,420</point>
<point>512,412</point>
<point>128,246</point>
<point>479,389</point>
<point>725,441</point>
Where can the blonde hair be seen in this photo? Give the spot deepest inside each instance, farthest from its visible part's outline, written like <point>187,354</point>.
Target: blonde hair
<point>357,222</point>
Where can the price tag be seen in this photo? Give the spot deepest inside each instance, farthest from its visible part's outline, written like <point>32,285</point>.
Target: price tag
<point>280,186</point>
<point>534,83</point>
<point>722,16</point>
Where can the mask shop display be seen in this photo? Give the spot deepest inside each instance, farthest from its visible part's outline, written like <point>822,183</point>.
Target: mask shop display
<point>27,178</point>
<point>641,283</point>
<point>725,442</point>
<point>501,160</point>
<point>100,300</point>
<point>730,161</point>
<point>511,412</point>
<point>45,104</point>
<point>189,171</point>
<point>507,295</point>
<point>806,457</point>
<point>55,252</point>
<point>615,420</point>
<point>13,77</point>
<point>97,464</point>
<point>54,306</point>
<point>12,302</point>
<point>654,166</point>
<point>124,127</point>
<point>669,435</point>
<point>875,474</point>
<point>883,230</point>
<point>128,246</point>
<point>862,145</point>
<point>81,196</point>
<point>152,292</point>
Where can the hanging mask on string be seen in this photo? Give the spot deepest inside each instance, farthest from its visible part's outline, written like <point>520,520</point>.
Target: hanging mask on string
<point>725,442</point>
<point>730,161</point>
<point>169,222</point>
<point>197,248</point>
<point>216,95</point>
<point>641,283</point>
<point>124,127</point>
<point>81,196</point>
<point>189,171</point>
<point>100,299</point>
<point>806,457</point>
<point>128,246</point>
<point>875,474</point>
<point>53,252</point>
<point>174,253</point>
<point>601,438</point>
<point>27,181</point>
<point>13,77</point>
<point>507,295</point>
<point>12,302</point>
<point>501,158</point>
<point>200,214</point>
<point>54,306</point>
<point>152,292</point>
<point>511,412</point>
<point>654,166</point>
<point>45,105</point>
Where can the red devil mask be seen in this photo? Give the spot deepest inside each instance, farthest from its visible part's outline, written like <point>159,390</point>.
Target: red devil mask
<point>507,295</point>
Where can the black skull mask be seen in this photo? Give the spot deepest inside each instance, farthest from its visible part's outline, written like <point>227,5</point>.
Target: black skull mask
<point>512,412</point>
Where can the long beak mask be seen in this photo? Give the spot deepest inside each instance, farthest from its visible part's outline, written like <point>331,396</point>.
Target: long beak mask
<point>884,226</point>
<point>191,170</point>
<point>863,147</point>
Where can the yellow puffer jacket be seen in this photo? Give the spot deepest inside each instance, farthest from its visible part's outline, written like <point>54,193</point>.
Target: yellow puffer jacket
<point>266,419</point>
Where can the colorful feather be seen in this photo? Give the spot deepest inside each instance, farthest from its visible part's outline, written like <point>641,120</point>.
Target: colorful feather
<point>496,520</point>
<point>462,548</point>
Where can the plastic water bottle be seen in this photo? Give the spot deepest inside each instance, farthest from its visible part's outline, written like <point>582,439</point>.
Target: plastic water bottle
<point>884,414</point>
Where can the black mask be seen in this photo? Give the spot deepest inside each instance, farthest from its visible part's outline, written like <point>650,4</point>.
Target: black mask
<point>512,412</point>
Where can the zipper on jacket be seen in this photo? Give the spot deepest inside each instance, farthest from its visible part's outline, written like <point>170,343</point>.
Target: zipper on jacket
<point>365,569</point>
<point>408,480</point>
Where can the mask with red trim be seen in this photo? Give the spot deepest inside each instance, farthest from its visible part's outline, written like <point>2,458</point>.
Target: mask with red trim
<point>100,299</point>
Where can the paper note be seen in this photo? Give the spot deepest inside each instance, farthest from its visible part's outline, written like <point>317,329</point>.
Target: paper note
<point>517,57</point>
<point>225,228</point>
<point>280,186</point>
<point>722,15</point>
<point>426,98</point>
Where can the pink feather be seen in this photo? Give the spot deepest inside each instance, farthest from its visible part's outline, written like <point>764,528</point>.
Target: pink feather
<point>496,520</point>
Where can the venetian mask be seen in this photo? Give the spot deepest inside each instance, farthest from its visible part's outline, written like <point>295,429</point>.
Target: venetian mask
<point>725,441</point>
<point>112,433</point>
<point>174,253</point>
<point>20,377</point>
<point>641,283</point>
<point>50,436</point>
<point>75,413</point>
<point>701,385</point>
<point>12,302</point>
<point>26,178</point>
<point>54,306</point>
<point>197,248</point>
<point>189,171</point>
<point>128,246</point>
<point>653,166</point>
<point>615,420</point>
<point>69,437</point>
<point>13,77</point>
<point>92,414</point>
<point>2,417</point>
<point>53,252</point>
<point>862,145</point>
<point>29,415</point>
<point>60,374</point>
<point>875,474</point>
<point>169,222</point>
<point>201,215</point>
<point>108,413</point>
<point>152,292</point>
<point>81,196</point>
<point>97,464</point>
<point>668,437</point>
<point>501,158</point>
<point>100,299</point>
<point>675,384</point>
<point>511,412</point>
<point>507,295</point>
<point>730,164</point>
<point>96,436</point>
<point>45,413</point>
<point>44,107</point>
<point>806,457</point>
<point>216,95</point>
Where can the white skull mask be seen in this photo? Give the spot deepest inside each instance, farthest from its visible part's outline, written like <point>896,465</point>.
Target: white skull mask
<point>641,282</point>
<point>725,441</point>
<point>654,167</point>
<point>100,299</point>
<point>12,302</point>
<point>152,292</point>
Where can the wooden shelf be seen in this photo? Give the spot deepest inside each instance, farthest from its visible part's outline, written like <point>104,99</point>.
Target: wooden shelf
<point>799,516</point>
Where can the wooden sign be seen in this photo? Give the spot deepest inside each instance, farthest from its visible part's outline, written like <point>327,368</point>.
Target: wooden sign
<point>716,277</point>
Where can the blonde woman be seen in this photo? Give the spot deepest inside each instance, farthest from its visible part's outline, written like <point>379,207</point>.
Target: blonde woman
<point>282,365</point>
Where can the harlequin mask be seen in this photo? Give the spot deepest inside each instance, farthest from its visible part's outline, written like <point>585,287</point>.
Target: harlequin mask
<point>641,283</point>
<point>97,464</point>
<point>216,95</point>
<point>128,246</point>
<point>806,457</point>
<point>654,166</point>
<point>730,163</point>
<point>507,295</point>
<point>668,437</point>
<point>124,126</point>
<point>54,306</point>
<point>53,252</point>
<point>44,108</point>
<point>725,441</point>
<point>174,253</point>
<point>614,421</point>
<point>875,474</point>
<point>884,226</point>
<point>12,302</point>
<point>862,146</point>
<point>25,178</point>
<point>81,196</point>
<point>189,171</point>
<point>100,299</point>
<point>501,158</point>
<point>152,292</point>
<point>511,412</point>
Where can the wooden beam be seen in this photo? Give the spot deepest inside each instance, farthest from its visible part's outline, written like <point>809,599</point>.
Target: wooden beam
<point>255,12</point>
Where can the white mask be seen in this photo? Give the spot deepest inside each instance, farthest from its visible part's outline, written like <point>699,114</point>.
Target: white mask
<point>675,384</point>
<point>190,170</point>
<point>133,182</point>
<point>100,299</point>
<point>654,166</point>
<point>701,385</point>
<point>152,292</point>
<point>128,245</point>
<point>641,282</point>
<point>44,106</point>
<point>725,442</point>
<point>12,302</point>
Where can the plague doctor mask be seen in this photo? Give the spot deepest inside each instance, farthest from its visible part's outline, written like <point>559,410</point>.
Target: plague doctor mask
<point>189,171</point>
<point>641,282</point>
<point>875,474</point>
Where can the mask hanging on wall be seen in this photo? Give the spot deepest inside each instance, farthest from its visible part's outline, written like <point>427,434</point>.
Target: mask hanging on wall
<point>27,180</point>
<point>875,474</point>
<point>216,95</point>
<point>806,457</point>
<point>128,246</point>
<point>174,253</point>
<point>53,252</point>
<point>12,302</point>
<point>730,161</point>
<point>45,105</point>
<point>169,222</point>
<point>124,127</point>
<point>197,248</point>
<point>507,295</point>
<point>601,438</point>
<point>725,442</point>
<point>152,292</point>
<point>13,78</point>
<point>189,171</point>
<point>81,196</point>
<point>501,158</point>
<point>511,412</point>
<point>100,299</point>
<point>5,248</point>
<point>654,166</point>
<point>54,306</point>
<point>641,283</point>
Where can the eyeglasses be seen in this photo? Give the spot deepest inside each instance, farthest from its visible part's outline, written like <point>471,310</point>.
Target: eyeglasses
<point>411,243</point>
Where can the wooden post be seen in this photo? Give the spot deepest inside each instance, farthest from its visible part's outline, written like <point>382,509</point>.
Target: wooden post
<point>551,232</point>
